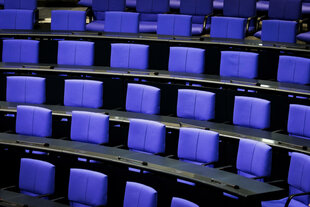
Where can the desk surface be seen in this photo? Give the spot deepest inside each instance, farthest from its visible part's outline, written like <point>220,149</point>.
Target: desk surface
<point>225,181</point>
<point>9,197</point>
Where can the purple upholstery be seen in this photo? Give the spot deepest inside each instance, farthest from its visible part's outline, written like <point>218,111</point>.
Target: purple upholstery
<point>68,20</point>
<point>285,9</point>
<point>139,195</point>
<point>218,4</point>
<point>175,25</point>
<point>179,202</point>
<point>262,5</point>
<point>20,4</point>
<point>87,3</point>
<point>298,120</point>
<point>279,31</point>
<point>125,22</point>
<point>131,3</point>
<point>16,19</point>
<point>174,4</point>
<point>304,37</point>
<point>239,8</point>
<point>228,27</point>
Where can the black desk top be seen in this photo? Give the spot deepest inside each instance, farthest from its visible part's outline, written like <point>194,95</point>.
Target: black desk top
<point>156,75</point>
<point>255,44</point>
<point>9,197</point>
<point>225,181</point>
<point>225,130</point>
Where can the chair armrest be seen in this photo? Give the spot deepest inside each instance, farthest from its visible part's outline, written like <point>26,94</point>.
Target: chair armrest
<point>259,19</point>
<point>294,195</point>
<point>205,22</point>
<point>248,21</point>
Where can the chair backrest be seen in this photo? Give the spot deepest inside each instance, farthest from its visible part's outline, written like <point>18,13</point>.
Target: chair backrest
<point>239,64</point>
<point>279,31</point>
<point>195,104</point>
<point>101,6</point>
<point>228,27</point>
<point>87,3</point>
<point>173,24</point>
<point>87,188</point>
<point>239,8</point>
<point>299,120</point>
<point>76,53</point>
<point>254,159</point>
<point>125,22</point>
<point>20,4</point>
<point>298,177</point>
<point>146,136</point>
<point>134,56</point>
<point>196,7</point>
<point>34,121</point>
<point>154,6</point>
<point>24,89</point>
<point>16,19</point>
<point>294,69</point>
<point>285,9</point>
<point>251,112</point>
<point>179,202</point>
<point>186,60</point>
<point>36,177</point>
<point>198,146</point>
<point>68,20</point>
<point>83,93</point>
<point>90,127</point>
<point>20,51</point>
<point>143,99</point>
<point>139,195</point>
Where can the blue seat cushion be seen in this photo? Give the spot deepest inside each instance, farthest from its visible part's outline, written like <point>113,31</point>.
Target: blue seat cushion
<point>87,3</point>
<point>16,19</point>
<point>262,6</point>
<point>179,202</point>
<point>20,4</point>
<point>304,37</point>
<point>139,195</point>
<point>126,22</point>
<point>279,31</point>
<point>298,120</point>
<point>178,25</point>
<point>68,20</point>
<point>218,4</point>
<point>258,34</point>
<point>228,27</point>
<point>96,25</point>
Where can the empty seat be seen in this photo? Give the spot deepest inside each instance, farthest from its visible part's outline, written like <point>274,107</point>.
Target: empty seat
<point>175,25</point>
<point>124,22</point>
<point>186,60</point>
<point>298,121</point>
<point>99,8</point>
<point>146,136</point>
<point>294,70</point>
<point>148,13</point>
<point>143,99</point>
<point>195,104</point>
<point>89,127</point>
<point>20,4</point>
<point>68,20</point>
<point>224,27</point>
<point>251,112</point>
<point>198,146</point>
<point>254,159</point>
<point>87,3</point>
<point>279,31</point>
<point>134,56</point>
<point>34,121</point>
<point>239,64</point>
<point>139,195</point>
<point>298,177</point>
<point>179,202</point>
<point>83,93</point>
<point>36,177</point>
<point>16,19</point>
<point>24,89</point>
<point>87,188</point>
<point>20,51</point>
<point>75,53</point>
<point>199,9</point>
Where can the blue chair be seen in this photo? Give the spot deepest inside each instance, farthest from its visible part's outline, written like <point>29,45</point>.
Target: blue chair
<point>143,99</point>
<point>146,136</point>
<point>23,89</point>
<point>20,51</point>
<point>218,4</point>
<point>134,56</point>
<point>298,180</point>
<point>304,37</point>
<point>262,5</point>
<point>199,10</point>
<point>68,20</point>
<point>195,104</point>
<point>148,14</point>
<point>2,2</point>
<point>99,8</point>
<point>139,195</point>
<point>87,188</point>
<point>223,27</point>
<point>87,3</point>
<point>16,19</point>
<point>124,22</point>
<point>298,121</point>
<point>179,202</point>
<point>198,146</point>
<point>36,177</point>
<point>174,4</point>
<point>294,70</point>
<point>186,60</point>
<point>20,4</point>
<point>83,93</point>
<point>34,121</point>
<point>131,4</point>
<point>279,31</point>
<point>175,25</point>
<point>251,112</point>
<point>239,64</point>
<point>305,7</point>
<point>89,127</point>
<point>75,53</point>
